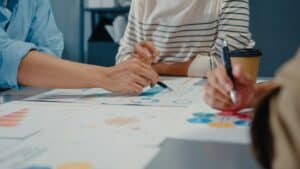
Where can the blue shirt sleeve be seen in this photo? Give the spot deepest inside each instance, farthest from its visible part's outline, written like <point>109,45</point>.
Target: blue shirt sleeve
<point>44,32</point>
<point>43,36</point>
<point>11,54</point>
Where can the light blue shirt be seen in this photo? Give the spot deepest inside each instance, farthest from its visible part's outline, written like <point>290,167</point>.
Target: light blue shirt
<point>25,25</point>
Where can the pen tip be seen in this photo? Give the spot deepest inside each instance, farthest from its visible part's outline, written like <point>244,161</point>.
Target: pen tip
<point>233,96</point>
<point>225,43</point>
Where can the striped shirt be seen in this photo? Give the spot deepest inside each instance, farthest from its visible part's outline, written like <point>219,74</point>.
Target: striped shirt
<point>183,29</point>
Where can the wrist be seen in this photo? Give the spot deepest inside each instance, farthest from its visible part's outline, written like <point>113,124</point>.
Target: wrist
<point>100,77</point>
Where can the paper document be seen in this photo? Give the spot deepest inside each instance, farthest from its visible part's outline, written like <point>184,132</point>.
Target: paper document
<point>206,124</point>
<point>186,91</point>
<point>128,126</point>
<point>96,135</point>
<point>62,156</point>
<point>19,120</point>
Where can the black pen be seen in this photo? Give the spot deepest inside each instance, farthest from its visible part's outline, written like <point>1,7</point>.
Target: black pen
<point>160,83</point>
<point>163,85</point>
<point>228,67</point>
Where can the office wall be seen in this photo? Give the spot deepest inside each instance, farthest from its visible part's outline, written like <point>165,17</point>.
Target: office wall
<point>67,14</point>
<point>275,25</point>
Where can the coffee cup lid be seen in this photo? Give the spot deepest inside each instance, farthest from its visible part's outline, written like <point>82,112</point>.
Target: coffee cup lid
<point>246,53</point>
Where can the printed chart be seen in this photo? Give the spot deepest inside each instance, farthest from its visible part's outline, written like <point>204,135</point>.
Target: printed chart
<point>221,120</point>
<point>19,120</point>
<point>13,119</point>
<point>120,128</point>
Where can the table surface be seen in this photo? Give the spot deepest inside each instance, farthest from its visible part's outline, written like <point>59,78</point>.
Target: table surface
<point>178,153</point>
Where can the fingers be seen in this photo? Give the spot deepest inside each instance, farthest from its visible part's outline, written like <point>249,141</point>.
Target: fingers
<point>216,103</point>
<point>141,78</point>
<point>146,52</point>
<point>140,81</point>
<point>150,75</point>
<point>217,89</point>
<point>144,71</point>
<point>148,72</point>
<point>143,53</point>
<point>131,76</point>
<point>214,82</point>
<point>223,78</point>
<point>131,88</point>
<point>149,45</point>
<point>136,88</point>
<point>216,99</point>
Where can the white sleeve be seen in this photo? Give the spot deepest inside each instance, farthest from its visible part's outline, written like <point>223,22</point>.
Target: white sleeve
<point>132,33</point>
<point>233,26</point>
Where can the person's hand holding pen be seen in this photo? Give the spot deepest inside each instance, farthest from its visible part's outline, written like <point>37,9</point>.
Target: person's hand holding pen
<point>219,85</point>
<point>146,52</point>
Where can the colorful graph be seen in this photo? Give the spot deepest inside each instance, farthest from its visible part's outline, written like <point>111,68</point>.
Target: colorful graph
<point>13,119</point>
<point>221,120</point>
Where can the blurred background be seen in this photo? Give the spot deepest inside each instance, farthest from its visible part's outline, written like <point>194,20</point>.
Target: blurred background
<point>89,38</point>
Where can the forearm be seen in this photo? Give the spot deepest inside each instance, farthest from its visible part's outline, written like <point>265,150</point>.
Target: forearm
<point>40,70</point>
<point>173,69</point>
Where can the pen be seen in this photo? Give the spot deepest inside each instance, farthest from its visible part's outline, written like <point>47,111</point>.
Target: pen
<point>228,67</point>
<point>160,83</point>
<point>163,85</point>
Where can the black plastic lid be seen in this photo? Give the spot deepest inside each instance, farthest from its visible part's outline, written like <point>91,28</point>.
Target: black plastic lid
<point>246,53</point>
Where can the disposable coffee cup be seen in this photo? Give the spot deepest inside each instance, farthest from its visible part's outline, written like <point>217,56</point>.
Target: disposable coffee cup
<point>248,59</point>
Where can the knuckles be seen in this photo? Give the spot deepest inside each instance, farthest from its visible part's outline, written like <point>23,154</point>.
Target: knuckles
<point>213,92</point>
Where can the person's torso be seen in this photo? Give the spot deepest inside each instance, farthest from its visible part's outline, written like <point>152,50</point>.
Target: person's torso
<point>179,29</point>
<point>16,17</point>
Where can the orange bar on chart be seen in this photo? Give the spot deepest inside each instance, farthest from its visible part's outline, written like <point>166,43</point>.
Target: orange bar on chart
<point>13,119</point>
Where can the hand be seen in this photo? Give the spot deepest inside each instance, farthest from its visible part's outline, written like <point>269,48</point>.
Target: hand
<point>131,76</point>
<point>146,52</point>
<point>219,85</point>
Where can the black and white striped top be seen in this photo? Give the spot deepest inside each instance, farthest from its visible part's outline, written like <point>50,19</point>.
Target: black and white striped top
<point>183,29</point>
